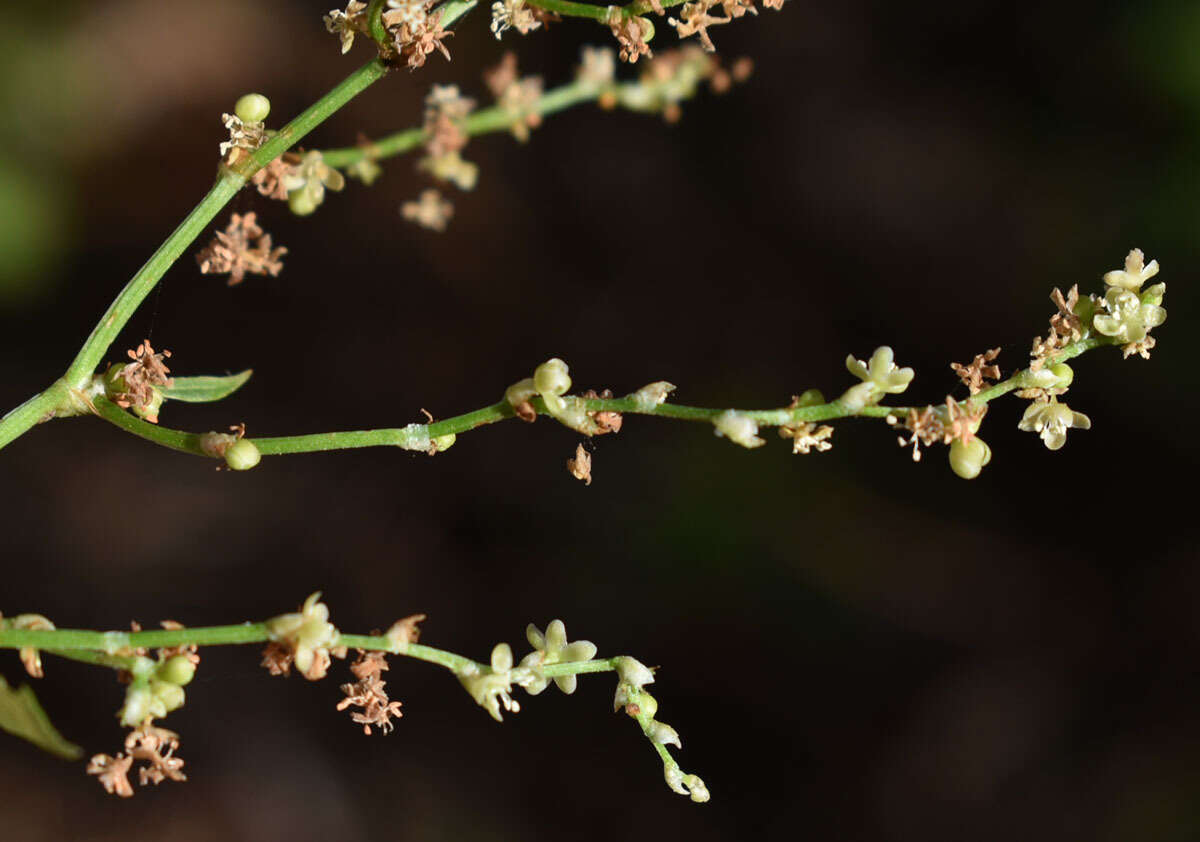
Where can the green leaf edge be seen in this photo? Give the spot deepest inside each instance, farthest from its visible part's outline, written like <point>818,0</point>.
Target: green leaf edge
<point>22,716</point>
<point>206,389</point>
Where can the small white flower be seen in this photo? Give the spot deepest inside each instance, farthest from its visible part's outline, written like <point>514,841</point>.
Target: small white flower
<point>1136,272</point>
<point>553,648</point>
<point>1051,421</point>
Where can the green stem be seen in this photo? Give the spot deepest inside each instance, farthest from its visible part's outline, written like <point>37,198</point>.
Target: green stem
<point>417,436</point>
<point>494,119</point>
<point>109,648</point>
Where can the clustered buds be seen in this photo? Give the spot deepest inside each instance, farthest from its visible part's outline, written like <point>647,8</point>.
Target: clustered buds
<point>632,677</point>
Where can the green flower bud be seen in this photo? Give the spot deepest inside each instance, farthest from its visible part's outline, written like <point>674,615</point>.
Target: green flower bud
<point>443,443</point>
<point>170,696</point>
<point>252,108</point>
<point>114,383</point>
<point>177,670</point>
<point>811,397</point>
<point>967,460</point>
<point>1064,374</point>
<point>242,455</point>
<point>551,378</point>
<point>647,26</point>
<point>301,202</point>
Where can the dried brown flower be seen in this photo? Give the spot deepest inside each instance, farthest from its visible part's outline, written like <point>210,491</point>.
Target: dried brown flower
<point>113,773</point>
<point>925,428</point>
<point>580,465</point>
<point>1065,323</point>
<point>140,378</point>
<point>277,658</point>
<point>271,179</point>
<point>631,36</point>
<point>155,747</point>
<point>962,420</point>
<point>368,694</point>
<point>694,19</point>
<point>974,374</point>
<point>415,41</point>
<point>242,247</point>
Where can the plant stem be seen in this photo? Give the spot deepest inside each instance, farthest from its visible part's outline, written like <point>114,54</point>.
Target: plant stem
<point>110,648</point>
<point>418,436</point>
<point>494,119</point>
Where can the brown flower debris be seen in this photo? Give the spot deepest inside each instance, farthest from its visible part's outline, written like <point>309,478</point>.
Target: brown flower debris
<point>580,465</point>
<point>925,428</point>
<point>630,35</point>
<point>606,420</point>
<point>430,210</point>
<point>113,773</point>
<point>270,180</point>
<point>242,247</point>
<point>962,420</point>
<point>416,33</point>
<point>153,747</point>
<point>694,19</point>
<point>277,658</point>
<point>1065,327</point>
<point>974,374</point>
<point>141,376</point>
<point>368,694</point>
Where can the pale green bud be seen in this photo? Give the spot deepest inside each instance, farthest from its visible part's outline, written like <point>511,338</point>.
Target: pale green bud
<point>967,460</point>
<point>301,202</point>
<point>664,734</point>
<point>242,455</point>
<point>171,696</point>
<point>252,108</point>
<point>551,378</point>
<point>739,428</point>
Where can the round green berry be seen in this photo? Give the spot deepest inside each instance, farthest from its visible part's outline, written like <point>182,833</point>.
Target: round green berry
<point>178,670</point>
<point>551,378</point>
<point>170,696</point>
<point>252,108</point>
<point>242,455</point>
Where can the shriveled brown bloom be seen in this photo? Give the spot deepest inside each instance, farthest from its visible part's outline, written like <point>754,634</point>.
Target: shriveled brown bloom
<point>415,41</point>
<point>580,465</point>
<point>141,376</point>
<point>113,773</point>
<point>630,35</point>
<point>368,693</point>
<point>977,371</point>
<point>694,19</point>
<point>270,180</point>
<point>962,420</point>
<point>155,748</point>
<point>925,428</point>
<point>241,248</point>
<point>606,421</point>
<point>277,659</point>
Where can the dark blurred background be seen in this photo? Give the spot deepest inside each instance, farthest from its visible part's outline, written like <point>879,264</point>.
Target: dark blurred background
<point>852,646</point>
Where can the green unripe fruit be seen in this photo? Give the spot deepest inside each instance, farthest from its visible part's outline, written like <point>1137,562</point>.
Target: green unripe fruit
<point>301,202</point>
<point>114,383</point>
<point>150,410</point>
<point>252,108</point>
<point>177,670</point>
<point>811,397</point>
<point>242,455</point>
<point>551,378</point>
<point>967,460</point>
